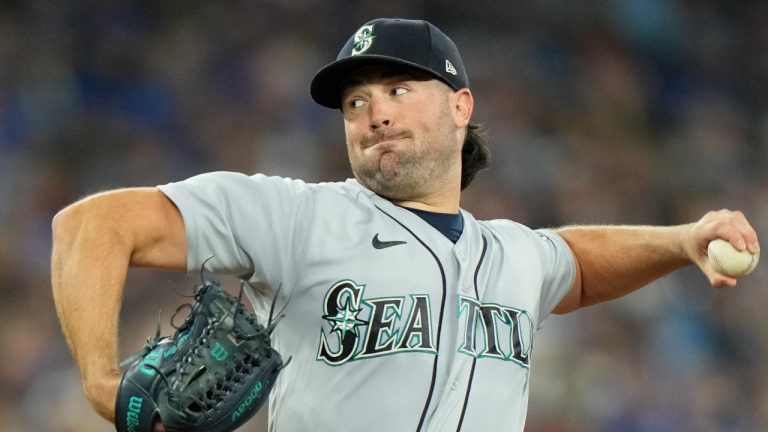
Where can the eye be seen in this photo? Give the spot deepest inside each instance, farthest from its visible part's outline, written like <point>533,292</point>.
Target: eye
<point>398,91</point>
<point>355,103</point>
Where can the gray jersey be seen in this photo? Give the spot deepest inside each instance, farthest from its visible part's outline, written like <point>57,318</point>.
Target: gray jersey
<point>391,326</point>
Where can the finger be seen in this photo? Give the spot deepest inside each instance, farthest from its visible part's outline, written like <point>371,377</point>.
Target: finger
<point>718,280</point>
<point>734,227</point>
<point>749,234</point>
<point>715,278</point>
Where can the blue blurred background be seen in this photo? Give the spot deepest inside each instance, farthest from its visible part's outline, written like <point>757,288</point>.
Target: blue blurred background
<point>612,111</point>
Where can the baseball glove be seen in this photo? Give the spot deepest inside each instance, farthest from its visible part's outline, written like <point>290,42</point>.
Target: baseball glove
<point>212,375</point>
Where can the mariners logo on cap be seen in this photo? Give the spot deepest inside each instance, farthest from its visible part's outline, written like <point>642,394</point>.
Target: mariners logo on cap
<point>363,40</point>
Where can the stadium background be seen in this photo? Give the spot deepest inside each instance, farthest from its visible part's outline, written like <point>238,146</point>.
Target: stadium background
<point>612,111</point>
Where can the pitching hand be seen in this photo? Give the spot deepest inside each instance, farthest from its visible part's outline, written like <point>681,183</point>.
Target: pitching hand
<point>725,224</point>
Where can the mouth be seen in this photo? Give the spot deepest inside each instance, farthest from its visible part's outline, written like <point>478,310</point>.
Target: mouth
<point>382,140</point>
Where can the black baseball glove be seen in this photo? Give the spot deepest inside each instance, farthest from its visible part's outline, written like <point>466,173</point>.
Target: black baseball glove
<point>212,375</point>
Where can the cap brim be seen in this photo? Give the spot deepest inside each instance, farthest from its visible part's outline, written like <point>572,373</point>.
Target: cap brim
<point>325,87</point>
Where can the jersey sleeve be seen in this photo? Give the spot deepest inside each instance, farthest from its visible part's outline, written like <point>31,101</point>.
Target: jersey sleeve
<point>559,270</point>
<point>254,227</point>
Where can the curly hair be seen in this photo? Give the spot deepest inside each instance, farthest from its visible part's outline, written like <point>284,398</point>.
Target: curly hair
<point>475,155</point>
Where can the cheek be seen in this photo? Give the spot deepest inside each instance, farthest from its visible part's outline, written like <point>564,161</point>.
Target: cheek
<point>354,152</point>
<point>352,132</point>
<point>430,124</point>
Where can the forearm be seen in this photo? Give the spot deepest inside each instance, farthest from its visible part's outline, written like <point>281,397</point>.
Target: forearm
<point>88,268</point>
<point>95,241</point>
<point>616,260</point>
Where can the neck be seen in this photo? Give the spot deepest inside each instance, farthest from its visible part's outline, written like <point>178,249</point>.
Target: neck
<point>437,204</point>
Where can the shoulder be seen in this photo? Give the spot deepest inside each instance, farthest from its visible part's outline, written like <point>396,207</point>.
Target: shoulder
<point>506,228</point>
<point>232,182</point>
<point>224,186</point>
<point>511,233</point>
<point>231,179</point>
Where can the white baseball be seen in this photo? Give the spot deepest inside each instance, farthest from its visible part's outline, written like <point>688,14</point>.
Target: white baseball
<point>729,261</point>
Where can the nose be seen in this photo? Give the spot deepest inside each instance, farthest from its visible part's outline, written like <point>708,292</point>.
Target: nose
<point>380,113</point>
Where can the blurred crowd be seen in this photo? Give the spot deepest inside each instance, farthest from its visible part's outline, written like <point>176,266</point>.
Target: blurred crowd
<point>604,111</point>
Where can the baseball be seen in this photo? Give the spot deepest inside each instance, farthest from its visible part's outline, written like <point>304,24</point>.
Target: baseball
<point>729,261</point>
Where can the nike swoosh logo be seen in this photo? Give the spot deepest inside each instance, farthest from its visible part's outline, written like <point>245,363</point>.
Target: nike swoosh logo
<point>378,244</point>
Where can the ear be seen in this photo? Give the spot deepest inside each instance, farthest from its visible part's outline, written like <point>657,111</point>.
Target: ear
<point>462,104</point>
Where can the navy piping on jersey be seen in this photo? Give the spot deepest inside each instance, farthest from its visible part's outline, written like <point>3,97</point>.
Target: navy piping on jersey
<point>474,360</point>
<point>451,225</point>
<point>439,321</point>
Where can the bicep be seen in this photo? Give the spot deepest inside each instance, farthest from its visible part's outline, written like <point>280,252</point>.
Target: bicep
<point>137,224</point>
<point>572,299</point>
<point>158,230</point>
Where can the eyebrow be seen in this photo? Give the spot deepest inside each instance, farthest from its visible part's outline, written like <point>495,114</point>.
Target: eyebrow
<point>390,73</point>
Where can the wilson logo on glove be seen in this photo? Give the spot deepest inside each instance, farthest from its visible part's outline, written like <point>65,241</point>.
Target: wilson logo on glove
<point>134,408</point>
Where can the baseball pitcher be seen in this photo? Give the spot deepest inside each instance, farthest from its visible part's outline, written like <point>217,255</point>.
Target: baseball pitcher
<point>400,310</point>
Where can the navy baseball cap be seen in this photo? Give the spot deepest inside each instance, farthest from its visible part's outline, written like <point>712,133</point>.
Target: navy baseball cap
<point>412,43</point>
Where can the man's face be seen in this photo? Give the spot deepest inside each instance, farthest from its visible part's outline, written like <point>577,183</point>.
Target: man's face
<point>403,139</point>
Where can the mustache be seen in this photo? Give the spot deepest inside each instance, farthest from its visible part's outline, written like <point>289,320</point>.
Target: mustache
<point>385,135</point>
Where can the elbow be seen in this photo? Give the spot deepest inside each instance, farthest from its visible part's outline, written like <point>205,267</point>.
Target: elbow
<point>63,235</point>
<point>65,228</point>
<point>65,224</point>
<point>60,220</point>
<point>71,223</point>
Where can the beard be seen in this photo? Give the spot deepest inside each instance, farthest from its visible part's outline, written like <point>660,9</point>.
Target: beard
<point>408,171</point>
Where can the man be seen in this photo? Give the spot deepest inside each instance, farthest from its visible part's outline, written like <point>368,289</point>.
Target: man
<point>402,312</point>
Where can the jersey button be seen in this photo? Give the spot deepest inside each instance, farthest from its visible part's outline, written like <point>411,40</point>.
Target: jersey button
<point>455,385</point>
